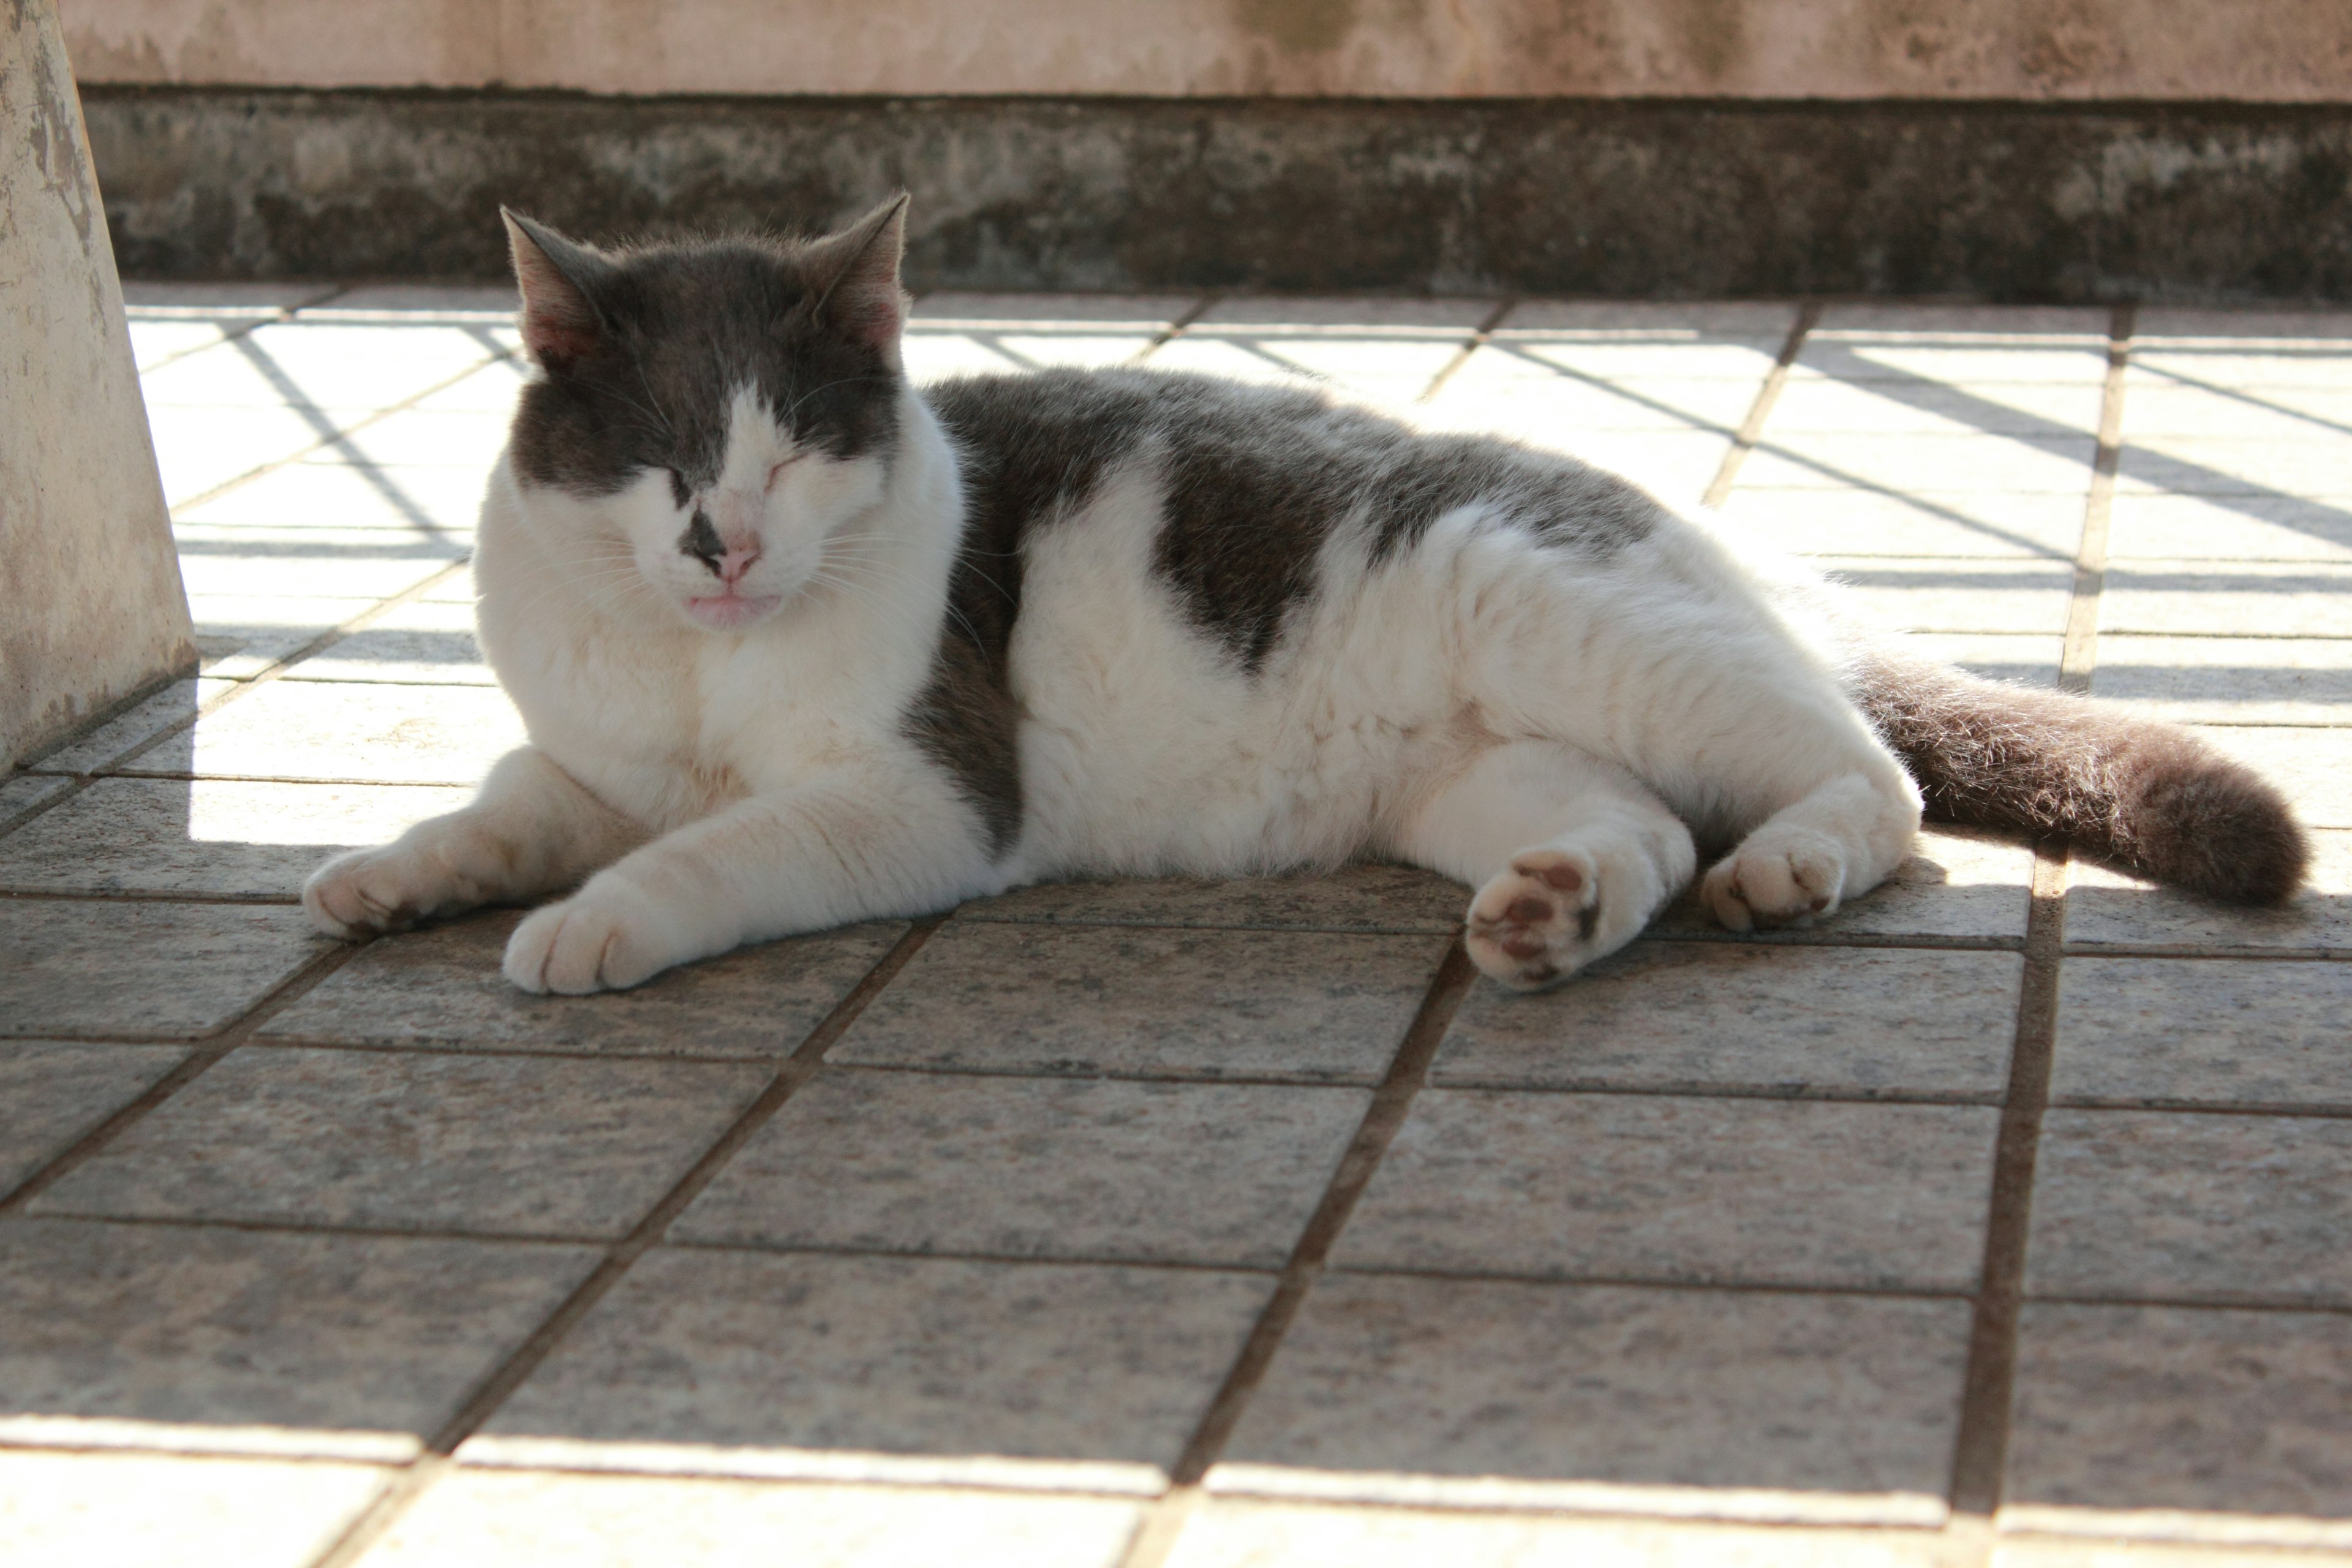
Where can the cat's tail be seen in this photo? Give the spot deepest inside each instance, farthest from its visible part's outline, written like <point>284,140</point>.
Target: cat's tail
<point>2148,796</point>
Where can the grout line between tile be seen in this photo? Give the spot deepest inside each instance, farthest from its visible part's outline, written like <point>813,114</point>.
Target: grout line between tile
<point>414,1479</point>
<point>1176,327</point>
<point>1980,1449</point>
<point>210,1050</point>
<point>1478,338</point>
<point>1164,1518</point>
<point>1751,429</point>
<point>2081,656</point>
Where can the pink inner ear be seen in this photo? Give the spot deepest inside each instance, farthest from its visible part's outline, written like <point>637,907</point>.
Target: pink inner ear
<point>871,314</point>
<point>554,334</point>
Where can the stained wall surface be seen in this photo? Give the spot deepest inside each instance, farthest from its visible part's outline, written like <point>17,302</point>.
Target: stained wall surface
<point>2265,51</point>
<point>90,605</point>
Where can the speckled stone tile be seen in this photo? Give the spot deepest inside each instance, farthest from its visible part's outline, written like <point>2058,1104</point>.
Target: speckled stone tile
<point>2228,680</point>
<point>441,987</point>
<point>1957,883</point>
<point>2098,1548</point>
<point>2312,766</point>
<point>92,1509</point>
<point>370,733</point>
<point>527,1145</point>
<point>26,793</point>
<point>1860,522</point>
<point>175,705</point>
<point>1680,1016</point>
<point>1896,408</point>
<point>1727,1191</point>
<point>63,969</point>
<point>493,1518</point>
<point>1111,1367</point>
<point>1944,594</point>
<point>1231,1533</point>
<point>2105,908</point>
<point>1996,656</point>
<point>220,837</point>
<point>359,1344</point>
<point>1006,998</point>
<point>2027,465</point>
<point>1364,897</point>
<point>2213,1031</point>
<point>357,579</point>
<point>432,504</point>
<point>2219,464</point>
<point>2234,598</point>
<point>1146,1172</point>
<point>51,1092</point>
<point>2242,1414</point>
<point>1403,1389</point>
<point>2192,1207</point>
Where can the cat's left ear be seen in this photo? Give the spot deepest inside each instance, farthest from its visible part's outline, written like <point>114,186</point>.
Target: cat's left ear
<point>560,280</point>
<point>856,274</point>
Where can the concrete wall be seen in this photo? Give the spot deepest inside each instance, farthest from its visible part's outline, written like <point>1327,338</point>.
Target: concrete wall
<point>2254,51</point>
<point>90,605</point>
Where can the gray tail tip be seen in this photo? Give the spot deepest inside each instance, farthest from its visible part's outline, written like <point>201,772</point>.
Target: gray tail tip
<point>2209,825</point>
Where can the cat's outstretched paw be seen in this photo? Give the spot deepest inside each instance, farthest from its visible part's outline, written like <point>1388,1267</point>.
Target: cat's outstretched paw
<point>370,891</point>
<point>606,937</point>
<point>1778,876</point>
<point>1541,921</point>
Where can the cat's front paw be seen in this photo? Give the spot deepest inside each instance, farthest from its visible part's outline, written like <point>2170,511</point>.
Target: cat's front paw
<point>370,891</point>
<point>1546,917</point>
<point>606,937</point>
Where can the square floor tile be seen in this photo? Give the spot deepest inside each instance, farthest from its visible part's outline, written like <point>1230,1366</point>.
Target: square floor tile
<point>414,503</point>
<point>529,1145</point>
<point>1401,1389</point>
<point>1958,882</point>
<point>2312,767</point>
<point>1682,1016</point>
<point>493,1519</point>
<point>424,642</point>
<point>2030,660</point>
<point>357,1345</point>
<point>1901,408</point>
<point>2228,680</point>
<point>1909,523</point>
<point>1617,1186</point>
<point>2174,1206</point>
<point>2209,598</point>
<point>86,1509</point>
<point>169,708</point>
<point>1230,1532</point>
<point>221,837</point>
<point>51,1092</point>
<point>287,571</point>
<point>368,735</point>
<point>22,795</point>
<point>2105,908</point>
<point>63,969</point>
<point>2217,1031</point>
<point>1105,1369</point>
<point>1494,391</point>
<point>1931,595</point>
<point>2007,465</point>
<point>1365,896</point>
<point>1020,998</point>
<point>1146,1172</point>
<point>441,987</point>
<point>2243,527</point>
<point>2310,463</point>
<point>2241,1414</point>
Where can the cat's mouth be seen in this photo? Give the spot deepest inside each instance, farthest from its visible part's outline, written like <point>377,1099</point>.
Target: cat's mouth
<point>732,611</point>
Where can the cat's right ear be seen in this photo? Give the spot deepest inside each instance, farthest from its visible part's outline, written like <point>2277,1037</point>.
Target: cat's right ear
<point>560,280</point>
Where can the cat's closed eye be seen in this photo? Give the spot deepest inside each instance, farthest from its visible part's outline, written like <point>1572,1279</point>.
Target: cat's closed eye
<point>777,472</point>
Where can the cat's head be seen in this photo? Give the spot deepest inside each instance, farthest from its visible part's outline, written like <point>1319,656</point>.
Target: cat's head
<point>725,405</point>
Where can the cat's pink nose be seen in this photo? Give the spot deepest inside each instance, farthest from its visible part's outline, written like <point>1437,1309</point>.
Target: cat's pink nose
<point>738,561</point>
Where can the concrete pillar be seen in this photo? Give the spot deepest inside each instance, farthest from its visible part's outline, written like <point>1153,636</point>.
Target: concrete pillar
<point>90,605</point>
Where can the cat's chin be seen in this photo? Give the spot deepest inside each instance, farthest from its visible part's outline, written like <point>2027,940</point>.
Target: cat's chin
<point>731,612</point>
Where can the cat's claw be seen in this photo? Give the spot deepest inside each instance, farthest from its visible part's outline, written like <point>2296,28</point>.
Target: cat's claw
<point>601,939</point>
<point>1778,876</point>
<point>1539,921</point>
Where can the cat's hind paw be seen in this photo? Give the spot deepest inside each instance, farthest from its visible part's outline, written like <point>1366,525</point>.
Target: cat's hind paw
<point>1778,877</point>
<point>606,937</point>
<point>1542,920</point>
<point>375,890</point>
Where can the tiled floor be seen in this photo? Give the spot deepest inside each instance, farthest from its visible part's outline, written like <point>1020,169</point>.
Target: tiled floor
<point>2005,1218</point>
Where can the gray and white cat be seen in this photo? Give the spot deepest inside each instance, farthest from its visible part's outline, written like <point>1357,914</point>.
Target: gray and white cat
<point>798,644</point>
